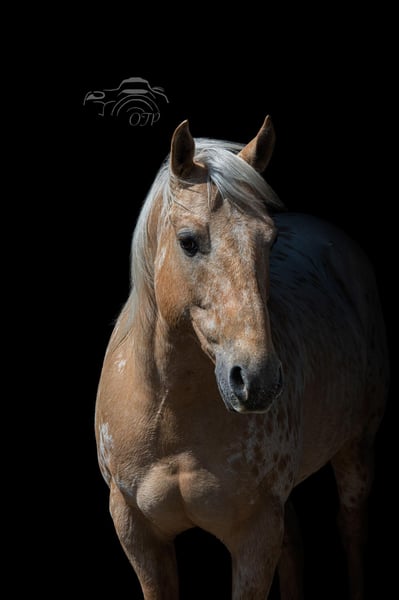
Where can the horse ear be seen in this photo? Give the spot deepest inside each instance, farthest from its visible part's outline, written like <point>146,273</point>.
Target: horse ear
<point>182,151</point>
<point>258,151</point>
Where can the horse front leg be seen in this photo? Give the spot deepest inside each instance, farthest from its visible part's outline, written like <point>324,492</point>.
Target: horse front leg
<point>354,469</point>
<point>151,556</point>
<point>255,548</point>
<point>290,566</point>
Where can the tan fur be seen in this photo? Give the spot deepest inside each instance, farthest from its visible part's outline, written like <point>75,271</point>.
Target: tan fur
<point>172,454</point>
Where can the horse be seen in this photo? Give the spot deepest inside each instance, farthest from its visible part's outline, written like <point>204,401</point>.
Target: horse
<point>251,352</point>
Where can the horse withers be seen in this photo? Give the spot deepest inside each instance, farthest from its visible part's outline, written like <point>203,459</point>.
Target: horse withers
<point>250,353</point>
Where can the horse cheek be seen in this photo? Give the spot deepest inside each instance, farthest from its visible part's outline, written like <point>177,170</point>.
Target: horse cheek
<point>172,293</point>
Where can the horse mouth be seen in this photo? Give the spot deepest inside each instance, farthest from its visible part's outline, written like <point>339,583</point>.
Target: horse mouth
<point>260,407</point>
<point>243,400</point>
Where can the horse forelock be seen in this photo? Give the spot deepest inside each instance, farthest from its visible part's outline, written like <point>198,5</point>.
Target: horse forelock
<point>234,179</point>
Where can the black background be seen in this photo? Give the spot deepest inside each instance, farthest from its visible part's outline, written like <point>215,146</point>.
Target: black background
<point>326,89</point>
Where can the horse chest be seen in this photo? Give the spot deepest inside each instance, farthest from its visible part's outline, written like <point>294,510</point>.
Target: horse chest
<point>189,489</point>
<point>175,495</point>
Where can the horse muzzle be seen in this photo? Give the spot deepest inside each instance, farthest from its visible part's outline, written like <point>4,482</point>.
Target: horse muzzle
<point>249,388</point>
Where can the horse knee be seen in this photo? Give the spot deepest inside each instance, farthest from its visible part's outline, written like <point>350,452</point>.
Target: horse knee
<point>353,468</point>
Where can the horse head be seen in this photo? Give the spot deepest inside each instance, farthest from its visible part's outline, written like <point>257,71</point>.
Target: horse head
<point>212,263</point>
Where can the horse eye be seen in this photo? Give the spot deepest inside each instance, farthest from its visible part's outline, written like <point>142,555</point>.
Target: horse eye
<point>189,245</point>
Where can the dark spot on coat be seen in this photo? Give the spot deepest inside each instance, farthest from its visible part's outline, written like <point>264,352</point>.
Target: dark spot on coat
<point>269,425</point>
<point>283,462</point>
<point>281,420</point>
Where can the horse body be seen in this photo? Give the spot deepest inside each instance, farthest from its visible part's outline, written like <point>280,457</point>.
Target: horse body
<point>172,454</point>
<point>331,338</point>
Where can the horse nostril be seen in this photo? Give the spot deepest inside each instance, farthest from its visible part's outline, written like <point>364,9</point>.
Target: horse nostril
<point>237,382</point>
<point>256,386</point>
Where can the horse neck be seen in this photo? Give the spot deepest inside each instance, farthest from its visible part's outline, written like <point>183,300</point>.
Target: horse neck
<point>168,362</point>
<point>179,357</point>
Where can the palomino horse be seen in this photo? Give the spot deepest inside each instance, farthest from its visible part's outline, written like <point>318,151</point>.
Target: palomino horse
<point>250,352</point>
